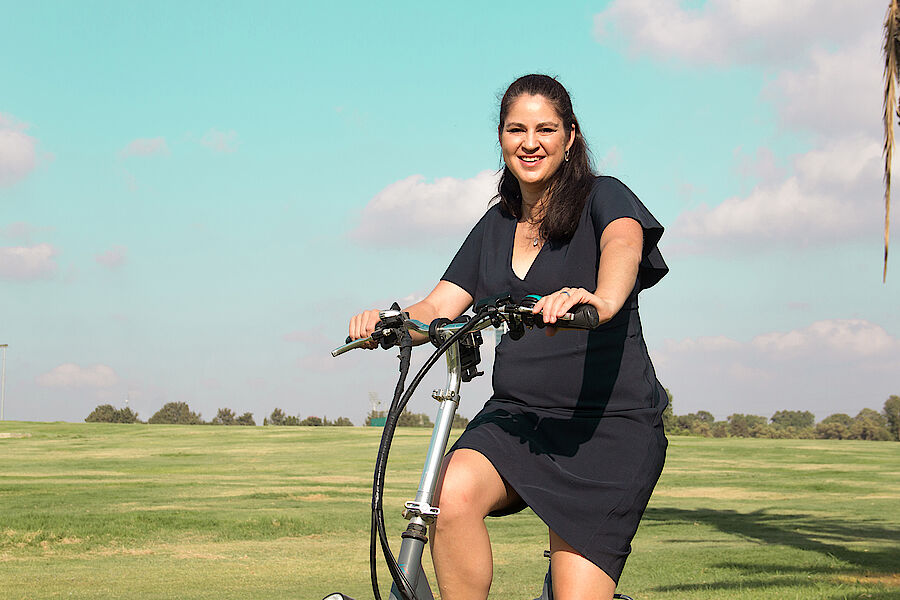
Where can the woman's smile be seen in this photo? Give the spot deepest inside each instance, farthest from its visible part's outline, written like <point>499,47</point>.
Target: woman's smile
<point>534,143</point>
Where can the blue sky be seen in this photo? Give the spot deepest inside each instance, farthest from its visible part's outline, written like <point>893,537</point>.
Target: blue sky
<point>194,198</point>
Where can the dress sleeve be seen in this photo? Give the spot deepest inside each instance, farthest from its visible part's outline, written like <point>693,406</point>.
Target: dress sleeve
<point>464,268</point>
<point>610,200</point>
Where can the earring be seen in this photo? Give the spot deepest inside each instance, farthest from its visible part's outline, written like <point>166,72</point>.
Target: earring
<point>566,156</point>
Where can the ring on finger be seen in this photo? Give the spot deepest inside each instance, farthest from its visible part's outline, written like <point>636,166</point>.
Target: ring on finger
<point>565,292</point>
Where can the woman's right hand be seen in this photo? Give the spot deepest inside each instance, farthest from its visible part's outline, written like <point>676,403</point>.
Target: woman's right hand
<point>363,325</point>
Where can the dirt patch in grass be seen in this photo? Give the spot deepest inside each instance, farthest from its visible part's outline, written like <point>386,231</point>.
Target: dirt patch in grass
<point>313,497</point>
<point>8,434</point>
<point>891,580</point>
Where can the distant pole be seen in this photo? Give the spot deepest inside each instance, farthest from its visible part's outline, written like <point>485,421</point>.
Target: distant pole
<point>3,381</point>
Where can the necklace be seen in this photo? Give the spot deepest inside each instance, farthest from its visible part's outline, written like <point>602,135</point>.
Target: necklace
<point>534,233</point>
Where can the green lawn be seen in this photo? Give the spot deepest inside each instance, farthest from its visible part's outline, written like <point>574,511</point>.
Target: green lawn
<point>138,511</point>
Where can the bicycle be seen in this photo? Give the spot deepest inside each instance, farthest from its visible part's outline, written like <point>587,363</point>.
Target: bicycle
<point>460,340</point>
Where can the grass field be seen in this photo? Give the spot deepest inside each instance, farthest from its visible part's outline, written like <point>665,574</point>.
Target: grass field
<point>138,511</point>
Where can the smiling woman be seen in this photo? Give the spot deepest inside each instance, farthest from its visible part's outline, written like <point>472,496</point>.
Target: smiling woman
<point>574,426</point>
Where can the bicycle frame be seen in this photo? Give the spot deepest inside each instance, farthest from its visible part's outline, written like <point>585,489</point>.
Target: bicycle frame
<point>420,512</point>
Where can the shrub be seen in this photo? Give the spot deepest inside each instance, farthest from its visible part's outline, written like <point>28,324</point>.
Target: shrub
<point>175,413</point>
<point>276,418</point>
<point>225,416</point>
<point>409,419</point>
<point>245,419</point>
<point>106,413</point>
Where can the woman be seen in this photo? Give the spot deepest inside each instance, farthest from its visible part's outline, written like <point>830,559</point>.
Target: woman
<point>574,427</point>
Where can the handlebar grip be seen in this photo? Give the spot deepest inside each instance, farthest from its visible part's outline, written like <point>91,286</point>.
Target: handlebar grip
<point>584,316</point>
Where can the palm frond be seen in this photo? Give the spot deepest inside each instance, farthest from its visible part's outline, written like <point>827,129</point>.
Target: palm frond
<point>891,106</point>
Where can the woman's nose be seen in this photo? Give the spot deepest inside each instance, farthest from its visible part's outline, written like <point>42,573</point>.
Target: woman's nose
<point>530,142</point>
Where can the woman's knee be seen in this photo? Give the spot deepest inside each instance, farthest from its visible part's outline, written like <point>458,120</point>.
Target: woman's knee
<point>470,487</point>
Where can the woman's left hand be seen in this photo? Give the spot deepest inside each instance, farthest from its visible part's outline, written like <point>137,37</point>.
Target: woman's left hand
<point>555,305</point>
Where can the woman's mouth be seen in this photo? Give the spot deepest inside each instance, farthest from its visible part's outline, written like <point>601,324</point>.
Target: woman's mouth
<point>531,160</point>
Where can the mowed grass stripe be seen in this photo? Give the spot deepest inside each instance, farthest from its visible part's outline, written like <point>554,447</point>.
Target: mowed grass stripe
<point>137,511</point>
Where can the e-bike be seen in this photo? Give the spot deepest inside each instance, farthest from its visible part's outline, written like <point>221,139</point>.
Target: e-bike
<point>460,341</point>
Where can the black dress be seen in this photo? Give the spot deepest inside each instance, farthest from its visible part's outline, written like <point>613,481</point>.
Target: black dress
<point>575,421</point>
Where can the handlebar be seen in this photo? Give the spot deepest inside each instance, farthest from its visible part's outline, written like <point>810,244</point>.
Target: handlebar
<point>489,311</point>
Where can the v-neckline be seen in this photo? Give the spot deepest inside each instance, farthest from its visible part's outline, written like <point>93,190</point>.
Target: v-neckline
<point>512,249</point>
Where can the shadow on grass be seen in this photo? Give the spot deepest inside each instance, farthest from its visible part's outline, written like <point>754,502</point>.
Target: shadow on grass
<point>828,537</point>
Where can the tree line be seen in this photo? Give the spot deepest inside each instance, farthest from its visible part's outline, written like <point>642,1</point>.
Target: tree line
<point>868,424</point>
<point>411,419</point>
<point>179,413</point>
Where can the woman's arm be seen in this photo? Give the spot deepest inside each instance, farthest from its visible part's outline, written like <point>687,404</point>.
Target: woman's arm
<point>446,300</point>
<point>621,247</point>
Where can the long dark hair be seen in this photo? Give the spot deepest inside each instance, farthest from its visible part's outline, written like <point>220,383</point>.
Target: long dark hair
<point>571,183</point>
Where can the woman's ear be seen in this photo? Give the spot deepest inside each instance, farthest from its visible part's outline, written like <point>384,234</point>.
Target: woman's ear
<point>571,138</point>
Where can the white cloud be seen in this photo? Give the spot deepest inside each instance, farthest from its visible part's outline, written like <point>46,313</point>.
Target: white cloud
<point>837,91</point>
<point>848,338</point>
<point>146,147</point>
<point>412,210</point>
<point>734,32</point>
<point>822,62</point>
<point>70,375</point>
<point>17,151</point>
<point>836,365</point>
<point>220,141</point>
<point>820,202</point>
<point>27,263</point>
<point>113,258</point>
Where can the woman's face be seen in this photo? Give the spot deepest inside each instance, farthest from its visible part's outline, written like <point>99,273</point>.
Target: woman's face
<point>534,142</point>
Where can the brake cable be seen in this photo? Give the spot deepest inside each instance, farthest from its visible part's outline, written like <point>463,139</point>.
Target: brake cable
<point>401,399</point>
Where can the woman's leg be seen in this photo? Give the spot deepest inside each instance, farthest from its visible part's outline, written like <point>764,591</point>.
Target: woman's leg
<point>574,576</point>
<point>469,489</point>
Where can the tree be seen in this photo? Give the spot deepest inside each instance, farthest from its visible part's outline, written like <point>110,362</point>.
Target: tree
<point>740,425</point>
<point>891,76</point>
<point>834,427</point>
<point>126,415</point>
<point>311,421</point>
<point>669,415</point>
<point>409,419</point>
<point>176,413</point>
<point>105,413</point>
<point>225,416</point>
<point>705,417</point>
<point>245,419</point>
<point>292,421</point>
<point>719,429</point>
<point>793,418</point>
<point>276,418</point>
<point>459,422</point>
<point>892,415</point>
<point>870,425</point>
<point>340,422</point>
